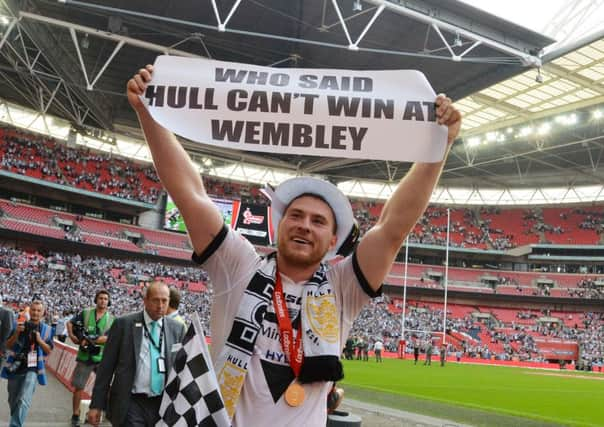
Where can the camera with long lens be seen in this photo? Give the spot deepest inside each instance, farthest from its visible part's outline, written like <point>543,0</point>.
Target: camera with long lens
<point>20,359</point>
<point>80,332</point>
<point>30,329</point>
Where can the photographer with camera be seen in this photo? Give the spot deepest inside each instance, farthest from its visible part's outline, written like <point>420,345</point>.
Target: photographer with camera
<point>89,330</point>
<point>28,347</point>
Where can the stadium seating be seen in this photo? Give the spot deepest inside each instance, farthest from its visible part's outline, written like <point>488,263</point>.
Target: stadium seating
<point>479,228</point>
<point>502,338</point>
<point>35,220</point>
<point>510,334</point>
<point>50,160</point>
<point>512,223</point>
<point>573,226</point>
<point>159,238</point>
<point>26,213</point>
<point>31,219</point>
<point>32,228</point>
<point>47,159</point>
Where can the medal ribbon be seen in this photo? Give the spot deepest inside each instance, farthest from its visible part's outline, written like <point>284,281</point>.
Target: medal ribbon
<point>290,345</point>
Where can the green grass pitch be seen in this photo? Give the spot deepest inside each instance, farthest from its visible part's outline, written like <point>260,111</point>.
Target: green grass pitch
<point>480,395</point>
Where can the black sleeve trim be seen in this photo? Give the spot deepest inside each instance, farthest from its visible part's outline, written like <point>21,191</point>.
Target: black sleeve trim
<point>362,280</point>
<point>212,247</point>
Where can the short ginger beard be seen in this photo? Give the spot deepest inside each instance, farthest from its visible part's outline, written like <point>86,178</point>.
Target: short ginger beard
<point>297,261</point>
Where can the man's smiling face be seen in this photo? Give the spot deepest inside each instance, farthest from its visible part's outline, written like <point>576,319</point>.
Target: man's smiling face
<point>306,232</point>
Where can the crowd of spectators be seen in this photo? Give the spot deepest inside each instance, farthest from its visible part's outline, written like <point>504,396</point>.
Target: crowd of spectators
<point>66,282</point>
<point>51,160</point>
<point>423,322</point>
<point>588,288</point>
<point>585,289</point>
<point>426,232</point>
<point>593,220</point>
<point>476,229</point>
<point>584,220</point>
<point>588,332</point>
<point>520,343</point>
<point>44,158</point>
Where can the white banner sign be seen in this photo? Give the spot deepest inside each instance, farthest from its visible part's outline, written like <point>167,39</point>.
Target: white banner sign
<point>380,115</point>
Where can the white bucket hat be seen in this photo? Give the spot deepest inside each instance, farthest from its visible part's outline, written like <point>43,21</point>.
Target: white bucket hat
<point>347,230</point>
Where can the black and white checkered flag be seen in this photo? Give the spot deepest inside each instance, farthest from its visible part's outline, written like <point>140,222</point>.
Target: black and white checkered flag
<point>192,395</point>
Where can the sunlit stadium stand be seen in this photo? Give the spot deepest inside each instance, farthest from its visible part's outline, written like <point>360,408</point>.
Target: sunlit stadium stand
<point>485,331</point>
<point>45,158</point>
<point>62,225</point>
<point>492,228</point>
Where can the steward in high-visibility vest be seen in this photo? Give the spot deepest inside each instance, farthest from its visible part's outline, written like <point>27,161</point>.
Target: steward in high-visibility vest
<point>94,323</point>
<point>94,327</point>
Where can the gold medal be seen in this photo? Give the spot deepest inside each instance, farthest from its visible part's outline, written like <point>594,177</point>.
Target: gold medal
<point>294,395</point>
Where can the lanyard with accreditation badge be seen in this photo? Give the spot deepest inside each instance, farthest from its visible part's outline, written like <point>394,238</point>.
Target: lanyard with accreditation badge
<point>32,356</point>
<point>294,395</point>
<point>161,361</point>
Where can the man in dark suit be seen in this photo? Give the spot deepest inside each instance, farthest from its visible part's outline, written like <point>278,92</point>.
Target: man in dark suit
<point>139,352</point>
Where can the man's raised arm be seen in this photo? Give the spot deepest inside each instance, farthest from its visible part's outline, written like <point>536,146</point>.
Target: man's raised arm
<point>175,169</point>
<point>378,248</point>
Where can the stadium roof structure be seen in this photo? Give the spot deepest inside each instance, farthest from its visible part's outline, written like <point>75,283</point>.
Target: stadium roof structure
<point>529,119</point>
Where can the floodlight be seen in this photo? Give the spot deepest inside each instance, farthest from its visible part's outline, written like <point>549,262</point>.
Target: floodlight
<point>597,114</point>
<point>357,6</point>
<point>474,141</point>
<point>544,129</point>
<point>526,131</point>
<point>457,42</point>
<point>567,120</point>
<point>572,119</point>
<point>85,43</point>
<point>491,136</point>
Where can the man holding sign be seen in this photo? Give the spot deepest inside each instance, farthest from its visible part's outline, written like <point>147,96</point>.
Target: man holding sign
<point>279,322</point>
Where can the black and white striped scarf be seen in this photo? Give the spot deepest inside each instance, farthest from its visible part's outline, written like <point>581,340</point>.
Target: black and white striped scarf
<point>320,328</point>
